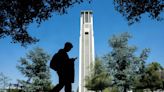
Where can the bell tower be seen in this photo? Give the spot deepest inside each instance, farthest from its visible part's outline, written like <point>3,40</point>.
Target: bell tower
<point>87,51</point>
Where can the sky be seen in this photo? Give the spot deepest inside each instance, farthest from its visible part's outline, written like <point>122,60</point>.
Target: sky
<point>59,29</point>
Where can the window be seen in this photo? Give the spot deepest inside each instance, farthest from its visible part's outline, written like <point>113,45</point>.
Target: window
<point>82,12</point>
<point>86,33</point>
<point>86,17</point>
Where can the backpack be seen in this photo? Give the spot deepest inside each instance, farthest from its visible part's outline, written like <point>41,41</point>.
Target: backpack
<point>55,62</point>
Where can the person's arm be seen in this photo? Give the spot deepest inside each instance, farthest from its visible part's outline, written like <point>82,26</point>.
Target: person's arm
<point>73,59</point>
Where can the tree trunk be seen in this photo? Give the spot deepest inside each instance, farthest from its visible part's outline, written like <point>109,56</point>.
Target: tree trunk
<point>125,89</point>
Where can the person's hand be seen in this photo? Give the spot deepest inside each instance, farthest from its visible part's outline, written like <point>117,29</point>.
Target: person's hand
<point>73,59</point>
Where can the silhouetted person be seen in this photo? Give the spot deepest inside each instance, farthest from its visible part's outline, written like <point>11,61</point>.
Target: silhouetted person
<point>65,69</point>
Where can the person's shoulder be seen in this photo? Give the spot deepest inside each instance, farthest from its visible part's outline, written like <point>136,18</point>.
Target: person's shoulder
<point>61,51</point>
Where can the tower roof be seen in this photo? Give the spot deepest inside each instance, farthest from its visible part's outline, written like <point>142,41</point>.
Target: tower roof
<point>86,11</point>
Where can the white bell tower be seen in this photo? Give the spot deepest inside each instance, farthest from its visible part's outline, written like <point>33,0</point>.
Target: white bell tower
<point>87,51</point>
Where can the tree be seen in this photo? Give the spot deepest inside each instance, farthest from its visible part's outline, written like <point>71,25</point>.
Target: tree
<point>98,78</point>
<point>133,9</point>
<point>111,89</point>
<point>123,64</point>
<point>16,15</point>
<point>4,82</point>
<point>34,68</point>
<point>151,77</point>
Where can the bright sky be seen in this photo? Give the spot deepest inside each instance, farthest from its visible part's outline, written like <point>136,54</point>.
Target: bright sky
<point>59,29</point>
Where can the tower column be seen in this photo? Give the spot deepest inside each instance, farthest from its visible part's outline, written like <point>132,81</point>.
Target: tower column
<point>86,48</point>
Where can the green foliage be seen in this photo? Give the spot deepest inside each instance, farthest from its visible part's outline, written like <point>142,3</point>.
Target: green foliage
<point>16,15</point>
<point>133,9</point>
<point>114,89</point>
<point>98,78</point>
<point>14,90</point>
<point>138,90</point>
<point>151,78</point>
<point>123,64</point>
<point>111,89</point>
<point>34,68</point>
<point>4,81</point>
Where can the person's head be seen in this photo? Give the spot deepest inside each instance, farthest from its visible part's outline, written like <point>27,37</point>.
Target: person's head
<point>68,46</point>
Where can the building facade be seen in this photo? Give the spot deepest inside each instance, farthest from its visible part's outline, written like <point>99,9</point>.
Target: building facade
<point>87,51</point>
